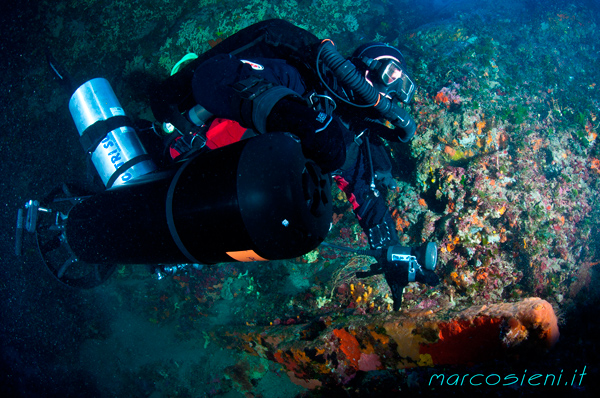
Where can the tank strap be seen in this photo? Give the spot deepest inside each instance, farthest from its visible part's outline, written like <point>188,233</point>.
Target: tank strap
<point>126,166</point>
<point>94,134</point>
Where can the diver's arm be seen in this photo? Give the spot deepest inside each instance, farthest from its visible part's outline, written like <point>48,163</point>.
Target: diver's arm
<point>230,89</point>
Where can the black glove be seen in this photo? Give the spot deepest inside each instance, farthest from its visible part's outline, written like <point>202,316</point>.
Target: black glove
<point>404,123</point>
<point>382,234</point>
<point>386,179</point>
<point>398,274</point>
<point>401,265</point>
<point>323,137</point>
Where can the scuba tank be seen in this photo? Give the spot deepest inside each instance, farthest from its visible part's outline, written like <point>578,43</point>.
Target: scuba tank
<point>107,135</point>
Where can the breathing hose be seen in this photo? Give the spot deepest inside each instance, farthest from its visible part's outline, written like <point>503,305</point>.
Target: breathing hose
<point>352,79</point>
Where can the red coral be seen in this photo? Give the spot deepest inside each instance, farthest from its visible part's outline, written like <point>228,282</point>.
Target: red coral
<point>349,346</point>
<point>290,361</point>
<point>465,341</point>
<point>448,96</point>
<point>475,337</point>
<point>441,98</point>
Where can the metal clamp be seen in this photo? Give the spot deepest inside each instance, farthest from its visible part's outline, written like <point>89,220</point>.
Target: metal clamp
<point>315,102</point>
<point>27,222</point>
<point>413,265</point>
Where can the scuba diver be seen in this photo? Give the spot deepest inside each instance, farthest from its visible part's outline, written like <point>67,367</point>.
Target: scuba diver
<point>270,83</point>
<point>274,77</point>
<point>259,126</point>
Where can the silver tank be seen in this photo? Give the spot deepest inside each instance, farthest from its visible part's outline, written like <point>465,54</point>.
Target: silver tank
<point>96,101</point>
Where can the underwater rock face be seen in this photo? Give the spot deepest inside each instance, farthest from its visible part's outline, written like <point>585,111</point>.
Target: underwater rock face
<point>332,351</point>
